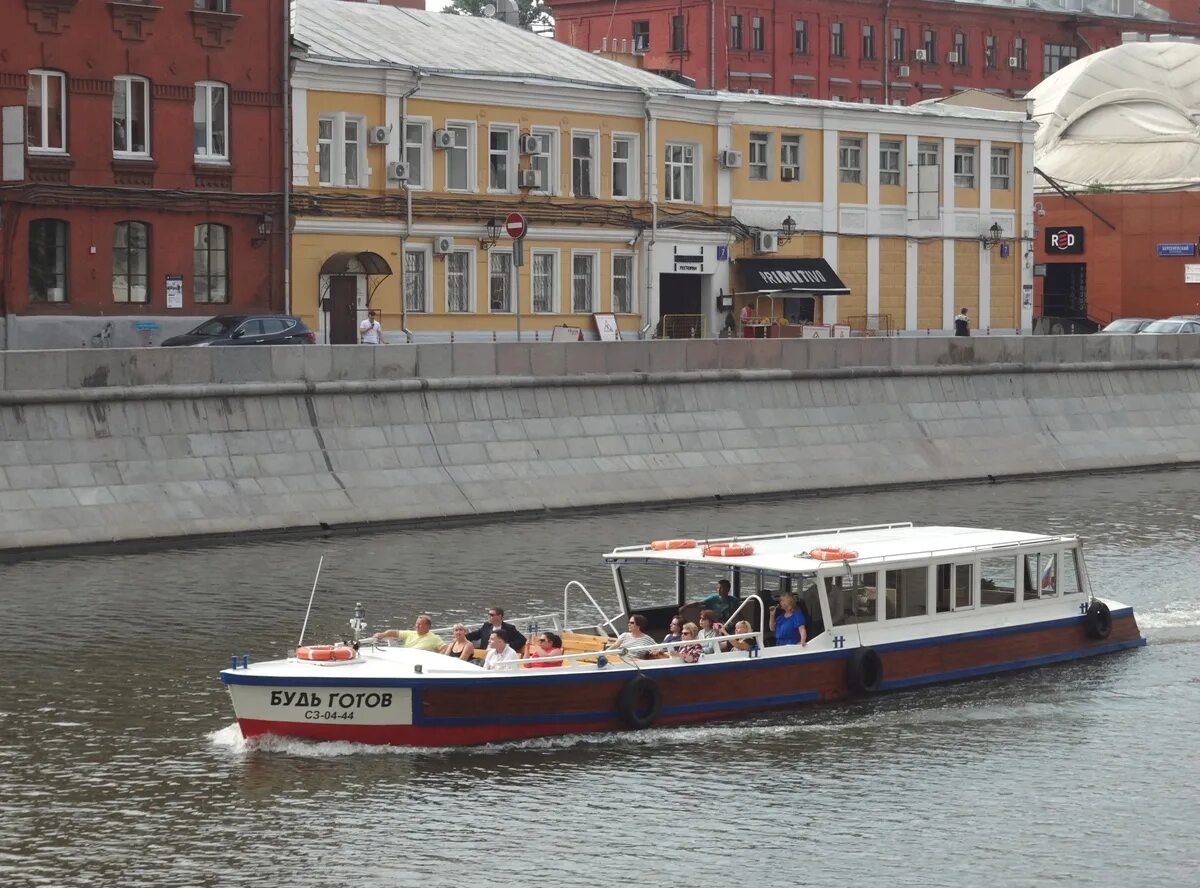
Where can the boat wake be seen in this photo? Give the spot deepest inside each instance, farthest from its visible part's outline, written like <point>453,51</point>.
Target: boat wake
<point>1175,615</point>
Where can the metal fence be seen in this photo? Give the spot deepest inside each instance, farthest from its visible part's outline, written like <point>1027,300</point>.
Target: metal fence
<point>681,326</point>
<point>871,325</point>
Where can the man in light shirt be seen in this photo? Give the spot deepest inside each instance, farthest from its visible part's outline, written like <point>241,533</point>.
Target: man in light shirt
<point>500,655</point>
<point>370,331</point>
<point>420,637</point>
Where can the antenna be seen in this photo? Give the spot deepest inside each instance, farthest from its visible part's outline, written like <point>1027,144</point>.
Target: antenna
<point>311,595</point>
<point>488,11</point>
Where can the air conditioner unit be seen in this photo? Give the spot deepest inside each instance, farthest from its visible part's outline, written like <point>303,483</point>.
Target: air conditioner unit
<point>529,179</point>
<point>952,58</point>
<point>443,138</point>
<point>731,160</point>
<point>397,170</point>
<point>379,135</point>
<point>753,92</point>
<point>443,244</point>
<point>919,55</point>
<point>766,242</point>
<point>530,144</point>
<point>902,71</point>
<point>787,174</point>
<point>1013,62</point>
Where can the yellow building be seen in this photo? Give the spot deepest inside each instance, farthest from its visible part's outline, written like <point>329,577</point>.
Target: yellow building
<point>415,135</point>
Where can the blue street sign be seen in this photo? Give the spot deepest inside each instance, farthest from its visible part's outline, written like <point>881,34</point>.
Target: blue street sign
<point>146,326</point>
<point>1177,249</point>
<point>722,253</point>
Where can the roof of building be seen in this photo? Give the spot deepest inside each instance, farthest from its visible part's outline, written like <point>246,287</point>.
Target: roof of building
<point>373,35</point>
<point>1124,119</point>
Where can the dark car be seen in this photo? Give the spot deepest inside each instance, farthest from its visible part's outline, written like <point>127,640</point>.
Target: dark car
<point>1128,325</point>
<point>261,329</point>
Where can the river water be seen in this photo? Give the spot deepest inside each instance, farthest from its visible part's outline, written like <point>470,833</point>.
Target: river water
<point>120,764</point>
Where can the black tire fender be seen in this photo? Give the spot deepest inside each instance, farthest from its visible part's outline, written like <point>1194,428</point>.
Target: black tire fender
<point>639,702</point>
<point>864,672</point>
<point>1098,620</point>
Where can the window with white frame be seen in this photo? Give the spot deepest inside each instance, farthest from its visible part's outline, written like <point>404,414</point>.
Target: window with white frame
<point>791,146</point>
<point>1002,169</point>
<point>459,166</point>
<point>622,283</point>
<point>583,164</point>
<point>500,280</point>
<point>964,166</point>
<point>501,161</point>
<point>928,153</point>
<point>837,40</point>
<point>458,281</point>
<point>416,142</point>
<point>890,165</point>
<point>340,150</point>
<point>800,37</point>
<point>210,263</point>
<point>543,272</point>
<point>46,111</point>
<point>735,32</point>
<point>756,33</point>
<point>681,172</point>
<point>989,51</point>
<point>624,166</point>
<point>583,283</point>
<point>416,290</point>
<point>850,167</point>
<point>131,261</point>
<point>210,121</point>
<point>545,161</point>
<point>760,147</point>
<point>131,116</point>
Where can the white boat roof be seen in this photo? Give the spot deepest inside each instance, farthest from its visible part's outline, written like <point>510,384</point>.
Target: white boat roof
<point>882,543</point>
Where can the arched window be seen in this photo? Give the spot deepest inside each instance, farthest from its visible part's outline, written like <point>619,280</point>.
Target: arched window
<point>131,262</point>
<point>131,116</point>
<point>210,262</point>
<point>47,260</point>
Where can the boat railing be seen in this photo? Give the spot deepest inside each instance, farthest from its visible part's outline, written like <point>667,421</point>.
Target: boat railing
<point>533,624</point>
<point>601,628</point>
<point>933,554</point>
<point>623,550</point>
<point>762,614</point>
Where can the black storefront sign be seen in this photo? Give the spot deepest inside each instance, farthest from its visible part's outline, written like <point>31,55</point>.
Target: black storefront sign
<point>792,275</point>
<point>1064,241</point>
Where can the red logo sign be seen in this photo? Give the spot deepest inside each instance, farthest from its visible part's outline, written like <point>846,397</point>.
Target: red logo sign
<point>515,225</point>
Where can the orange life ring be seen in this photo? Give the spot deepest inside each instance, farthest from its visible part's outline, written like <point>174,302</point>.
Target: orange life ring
<point>832,553</point>
<point>662,545</point>
<point>325,652</point>
<point>728,550</point>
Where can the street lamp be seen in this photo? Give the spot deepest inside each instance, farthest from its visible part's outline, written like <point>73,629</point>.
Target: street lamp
<point>992,236</point>
<point>493,235</point>
<point>787,231</point>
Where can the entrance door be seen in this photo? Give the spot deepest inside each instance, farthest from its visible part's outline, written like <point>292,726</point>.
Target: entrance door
<point>680,314</point>
<point>1065,290</point>
<point>343,309</point>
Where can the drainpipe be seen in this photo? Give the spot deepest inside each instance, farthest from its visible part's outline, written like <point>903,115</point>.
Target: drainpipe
<point>712,44</point>
<point>407,207</point>
<point>285,79</point>
<point>651,179</point>
<point>887,52</point>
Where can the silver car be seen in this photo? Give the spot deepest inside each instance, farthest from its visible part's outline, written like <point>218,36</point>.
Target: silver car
<point>1175,324</point>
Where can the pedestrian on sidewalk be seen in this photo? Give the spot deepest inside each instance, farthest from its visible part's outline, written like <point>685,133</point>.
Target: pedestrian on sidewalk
<point>370,332</point>
<point>962,323</point>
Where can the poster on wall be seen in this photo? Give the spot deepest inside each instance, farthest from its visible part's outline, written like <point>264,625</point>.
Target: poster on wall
<point>174,291</point>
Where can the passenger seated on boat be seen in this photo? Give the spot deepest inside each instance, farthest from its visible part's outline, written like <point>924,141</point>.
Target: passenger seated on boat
<point>709,628</point>
<point>495,620</point>
<point>788,622</point>
<point>741,644</point>
<point>549,646</point>
<point>673,633</point>
<point>459,646</point>
<point>419,637</point>
<point>721,603</point>
<point>500,655</point>
<point>689,653</point>
<point>636,639</point>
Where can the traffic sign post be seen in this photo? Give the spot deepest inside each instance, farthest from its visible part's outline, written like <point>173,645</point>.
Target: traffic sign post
<point>516,227</point>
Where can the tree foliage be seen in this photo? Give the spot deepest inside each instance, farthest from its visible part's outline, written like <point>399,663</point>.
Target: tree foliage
<point>532,13</point>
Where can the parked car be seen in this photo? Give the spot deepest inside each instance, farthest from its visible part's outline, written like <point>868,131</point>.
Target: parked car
<point>1176,324</point>
<point>1127,325</point>
<point>260,329</point>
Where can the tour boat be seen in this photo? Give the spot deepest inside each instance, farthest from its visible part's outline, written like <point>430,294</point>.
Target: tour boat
<point>889,607</point>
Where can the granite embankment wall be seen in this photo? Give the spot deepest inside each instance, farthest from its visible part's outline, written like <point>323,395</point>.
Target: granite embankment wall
<point>100,445</point>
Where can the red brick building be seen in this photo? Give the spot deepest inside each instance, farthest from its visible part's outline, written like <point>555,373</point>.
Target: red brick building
<point>142,166</point>
<point>886,52</point>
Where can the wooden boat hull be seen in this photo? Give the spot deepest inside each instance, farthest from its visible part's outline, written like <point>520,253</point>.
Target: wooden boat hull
<point>469,710</point>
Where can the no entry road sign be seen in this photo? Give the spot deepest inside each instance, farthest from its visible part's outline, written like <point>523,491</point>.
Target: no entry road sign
<point>514,225</point>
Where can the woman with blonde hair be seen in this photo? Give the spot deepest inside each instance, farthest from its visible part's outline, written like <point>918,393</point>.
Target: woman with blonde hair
<point>787,621</point>
<point>689,653</point>
<point>741,644</point>
<point>459,646</point>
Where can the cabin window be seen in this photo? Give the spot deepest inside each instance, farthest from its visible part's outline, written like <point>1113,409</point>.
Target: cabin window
<point>997,580</point>
<point>1041,575</point>
<point>854,599</point>
<point>955,590</point>
<point>1069,582</point>
<point>907,592</point>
